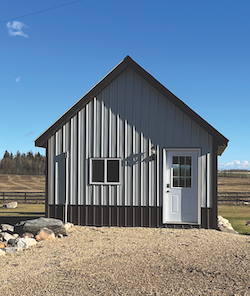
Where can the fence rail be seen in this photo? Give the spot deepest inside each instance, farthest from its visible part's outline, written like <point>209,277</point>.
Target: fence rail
<point>39,197</point>
<point>234,197</point>
<point>23,197</point>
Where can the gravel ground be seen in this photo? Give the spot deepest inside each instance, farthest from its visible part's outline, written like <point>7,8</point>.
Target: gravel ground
<point>131,261</point>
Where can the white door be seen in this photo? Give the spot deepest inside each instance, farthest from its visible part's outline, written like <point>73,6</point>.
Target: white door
<point>180,186</point>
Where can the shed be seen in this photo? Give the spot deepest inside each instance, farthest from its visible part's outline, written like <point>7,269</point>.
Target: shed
<point>130,153</point>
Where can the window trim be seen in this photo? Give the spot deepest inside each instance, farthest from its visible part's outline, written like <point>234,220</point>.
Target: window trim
<point>105,171</point>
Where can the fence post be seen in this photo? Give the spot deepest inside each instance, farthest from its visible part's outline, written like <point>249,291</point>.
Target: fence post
<point>3,196</point>
<point>25,197</point>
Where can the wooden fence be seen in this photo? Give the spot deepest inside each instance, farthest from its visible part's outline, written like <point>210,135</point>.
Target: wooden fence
<point>234,197</point>
<point>39,197</point>
<point>22,197</point>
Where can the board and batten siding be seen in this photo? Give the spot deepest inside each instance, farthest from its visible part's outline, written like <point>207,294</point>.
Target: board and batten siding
<point>125,120</point>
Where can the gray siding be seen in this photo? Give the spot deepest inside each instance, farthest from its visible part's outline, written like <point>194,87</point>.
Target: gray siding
<point>125,120</point>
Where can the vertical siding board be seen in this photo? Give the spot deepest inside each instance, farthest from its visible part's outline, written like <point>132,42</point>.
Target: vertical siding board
<point>154,121</point>
<point>74,156</point>
<point>162,141</point>
<point>121,106</point>
<point>145,127</point>
<point>186,131</point>
<point>81,144</point>
<point>137,103</point>
<point>106,140</point>
<point>66,148</point>
<point>51,171</point>
<point>114,134</point>
<point>129,139</point>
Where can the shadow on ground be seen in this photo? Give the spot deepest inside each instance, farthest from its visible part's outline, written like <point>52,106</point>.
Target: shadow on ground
<point>14,220</point>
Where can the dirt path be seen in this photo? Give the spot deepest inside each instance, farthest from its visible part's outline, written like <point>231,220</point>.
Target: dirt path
<point>131,261</point>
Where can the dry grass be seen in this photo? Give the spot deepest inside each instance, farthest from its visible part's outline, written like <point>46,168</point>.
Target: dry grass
<point>227,184</point>
<point>37,183</point>
<point>15,183</point>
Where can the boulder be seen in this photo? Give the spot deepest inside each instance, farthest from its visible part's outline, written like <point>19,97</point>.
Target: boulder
<point>225,226</point>
<point>10,205</point>
<point>68,225</point>
<point>20,244</point>
<point>45,234</point>
<point>33,226</point>
<point>7,227</point>
<point>6,236</point>
<point>30,241</point>
<point>27,235</point>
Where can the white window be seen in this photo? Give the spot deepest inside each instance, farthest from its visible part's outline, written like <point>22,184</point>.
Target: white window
<point>105,171</point>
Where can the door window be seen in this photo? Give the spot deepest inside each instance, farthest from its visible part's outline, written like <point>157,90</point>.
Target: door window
<point>182,171</point>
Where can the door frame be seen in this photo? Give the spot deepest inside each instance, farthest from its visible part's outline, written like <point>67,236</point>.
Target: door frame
<point>164,181</point>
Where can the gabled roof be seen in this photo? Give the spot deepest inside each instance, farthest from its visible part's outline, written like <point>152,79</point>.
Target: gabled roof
<point>41,141</point>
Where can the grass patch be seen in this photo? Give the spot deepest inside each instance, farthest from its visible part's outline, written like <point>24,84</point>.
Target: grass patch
<point>237,216</point>
<point>23,210</point>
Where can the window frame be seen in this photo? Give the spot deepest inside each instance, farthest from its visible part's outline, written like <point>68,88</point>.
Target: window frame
<point>105,159</point>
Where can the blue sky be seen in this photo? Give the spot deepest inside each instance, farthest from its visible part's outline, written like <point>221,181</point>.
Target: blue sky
<point>200,50</point>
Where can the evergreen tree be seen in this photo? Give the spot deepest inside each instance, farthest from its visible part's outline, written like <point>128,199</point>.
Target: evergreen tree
<point>23,164</point>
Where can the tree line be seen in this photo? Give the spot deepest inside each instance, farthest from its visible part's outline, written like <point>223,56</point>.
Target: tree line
<point>23,164</point>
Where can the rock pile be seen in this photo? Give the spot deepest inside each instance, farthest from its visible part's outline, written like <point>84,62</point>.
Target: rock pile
<point>27,233</point>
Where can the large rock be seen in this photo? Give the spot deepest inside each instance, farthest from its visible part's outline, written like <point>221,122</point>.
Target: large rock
<point>7,227</point>
<point>45,234</point>
<point>6,236</point>
<point>30,241</point>
<point>33,226</point>
<point>20,244</point>
<point>225,226</point>
<point>10,205</point>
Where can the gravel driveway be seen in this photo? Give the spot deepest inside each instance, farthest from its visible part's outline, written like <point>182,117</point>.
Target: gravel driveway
<point>131,261</point>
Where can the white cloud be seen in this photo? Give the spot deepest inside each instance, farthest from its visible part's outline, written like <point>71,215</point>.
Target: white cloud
<point>17,79</point>
<point>16,29</point>
<point>235,165</point>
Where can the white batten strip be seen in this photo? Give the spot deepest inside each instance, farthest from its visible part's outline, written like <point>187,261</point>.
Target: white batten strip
<point>102,145</point>
<point>110,152</point>
<point>86,154</point>
<point>142,170</point>
<point>209,180</point>
<point>150,174</point>
<point>94,145</point>
<point>125,167</point>
<point>134,185</point>
<point>118,188</point>
<point>158,176</point>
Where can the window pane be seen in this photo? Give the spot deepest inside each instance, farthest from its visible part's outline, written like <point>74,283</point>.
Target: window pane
<point>175,160</point>
<point>188,182</point>
<point>182,182</point>
<point>182,158</point>
<point>176,169</point>
<point>98,170</point>
<point>176,182</point>
<point>113,171</point>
